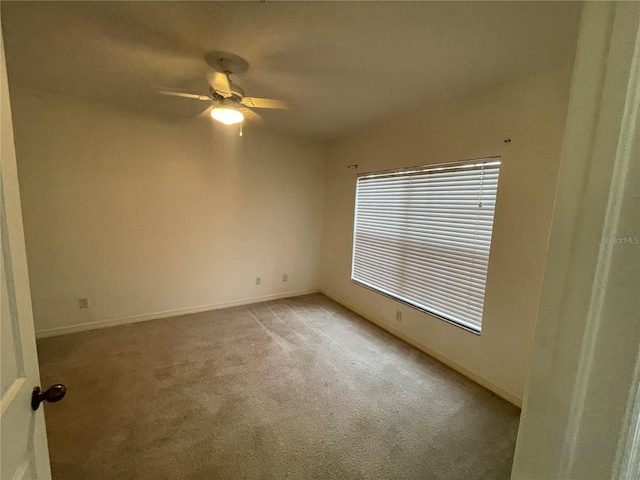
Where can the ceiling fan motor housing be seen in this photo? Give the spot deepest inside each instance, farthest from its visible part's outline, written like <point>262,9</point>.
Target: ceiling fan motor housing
<point>237,94</point>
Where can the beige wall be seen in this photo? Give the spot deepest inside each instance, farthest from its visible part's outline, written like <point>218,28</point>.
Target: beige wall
<point>531,113</point>
<point>148,217</point>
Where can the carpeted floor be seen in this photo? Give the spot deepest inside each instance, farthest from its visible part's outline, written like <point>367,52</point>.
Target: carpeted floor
<point>299,388</point>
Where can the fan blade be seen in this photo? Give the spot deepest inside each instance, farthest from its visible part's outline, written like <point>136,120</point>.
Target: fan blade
<point>206,113</point>
<point>250,115</point>
<point>220,83</point>
<point>254,102</point>
<point>185,95</point>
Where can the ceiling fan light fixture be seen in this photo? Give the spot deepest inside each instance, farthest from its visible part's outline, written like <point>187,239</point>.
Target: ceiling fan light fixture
<point>227,115</point>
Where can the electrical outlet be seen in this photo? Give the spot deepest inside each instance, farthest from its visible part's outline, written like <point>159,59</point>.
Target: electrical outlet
<point>285,277</point>
<point>398,315</point>
<point>83,302</point>
<point>258,281</point>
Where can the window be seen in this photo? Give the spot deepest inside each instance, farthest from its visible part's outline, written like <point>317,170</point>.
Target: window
<point>422,236</point>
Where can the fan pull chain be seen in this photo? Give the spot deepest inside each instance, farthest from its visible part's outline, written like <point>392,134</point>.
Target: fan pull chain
<point>241,123</point>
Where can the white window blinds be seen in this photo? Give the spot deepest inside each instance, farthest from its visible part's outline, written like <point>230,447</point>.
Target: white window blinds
<point>422,236</point>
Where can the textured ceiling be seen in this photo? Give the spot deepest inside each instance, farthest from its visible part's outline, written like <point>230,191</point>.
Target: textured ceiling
<point>341,64</point>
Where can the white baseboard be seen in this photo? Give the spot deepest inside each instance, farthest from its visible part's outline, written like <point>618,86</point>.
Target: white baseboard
<point>54,332</point>
<point>450,363</point>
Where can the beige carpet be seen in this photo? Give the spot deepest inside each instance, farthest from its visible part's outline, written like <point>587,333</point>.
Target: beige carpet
<point>299,388</point>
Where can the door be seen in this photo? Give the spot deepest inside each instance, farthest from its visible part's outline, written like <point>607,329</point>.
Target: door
<point>581,415</point>
<point>23,447</point>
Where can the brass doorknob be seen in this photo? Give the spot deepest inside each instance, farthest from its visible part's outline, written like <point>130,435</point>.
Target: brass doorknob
<point>53,394</point>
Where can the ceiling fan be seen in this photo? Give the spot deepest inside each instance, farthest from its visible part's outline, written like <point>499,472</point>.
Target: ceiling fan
<point>229,104</point>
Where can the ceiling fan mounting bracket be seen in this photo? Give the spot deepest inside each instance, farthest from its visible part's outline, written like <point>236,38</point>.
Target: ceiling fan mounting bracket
<point>226,62</point>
